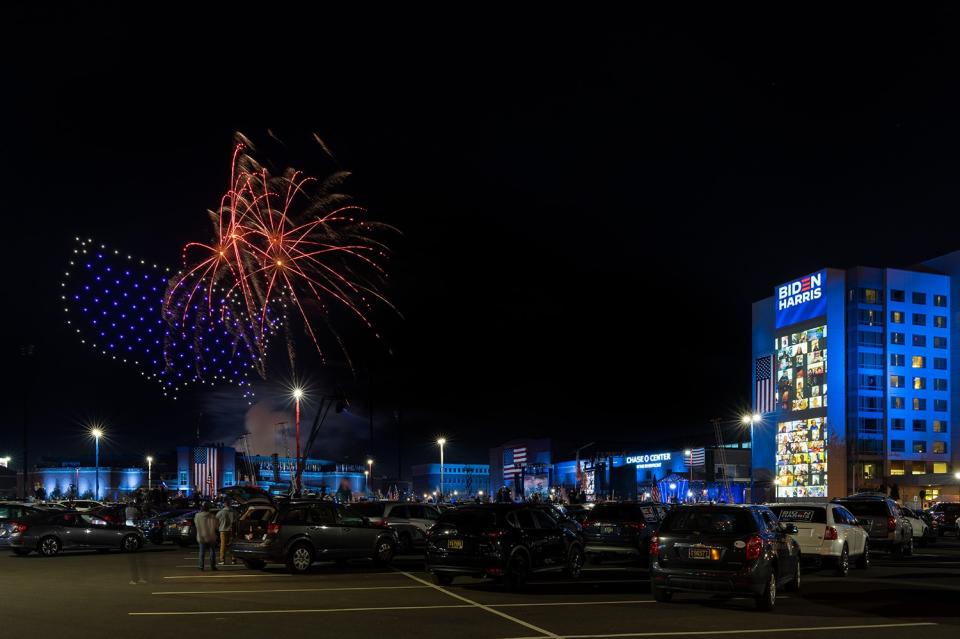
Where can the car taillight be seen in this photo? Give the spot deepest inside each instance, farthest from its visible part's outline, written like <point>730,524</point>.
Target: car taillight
<point>891,523</point>
<point>19,527</point>
<point>273,530</point>
<point>587,522</point>
<point>830,534</point>
<point>654,546</point>
<point>754,548</point>
<point>633,525</point>
<point>379,523</point>
<point>495,534</point>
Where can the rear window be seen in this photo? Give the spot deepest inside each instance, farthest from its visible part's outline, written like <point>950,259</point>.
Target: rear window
<point>867,508</point>
<point>469,520</point>
<point>946,508</point>
<point>800,515</point>
<point>617,512</point>
<point>709,520</point>
<point>367,509</point>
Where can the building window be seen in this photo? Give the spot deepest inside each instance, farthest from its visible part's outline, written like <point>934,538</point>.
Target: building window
<point>898,338</point>
<point>940,468</point>
<point>919,403</point>
<point>918,361</point>
<point>896,467</point>
<point>920,340</point>
<point>919,298</point>
<point>897,446</point>
<point>898,359</point>
<point>939,321</point>
<point>869,360</point>
<point>183,478</point>
<point>940,363</point>
<point>870,425</point>
<point>940,300</point>
<point>919,383</point>
<point>896,381</point>
<point>896,295</point>
<point>939,448</point>
<point>870,296</point>
<point>870,338</point>
<point>940,405</point>
<point>919,425</point>
<point>939,342</point>
<point>919,448</point>
<point>896,317</point>
<point>939,383</point>
<point>897,402</point>
<point>871,382</point>
<point>919,319</point>
<point>918,467</point>
<point>896,423</point>
<point>870,318</point>
<point>869,471</point>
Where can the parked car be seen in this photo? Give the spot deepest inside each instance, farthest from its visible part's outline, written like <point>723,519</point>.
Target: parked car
<point>887,528</point>
<point>301,531</point>
<point>80,505</point>
<point>579,512</point>
<point>946,515</point>
<point>922,532</point>
<point>828,534</point>
<point>410,520</point>
<point>508,542</point>
<point>621,531</point>
<point>559,512</point>
<point>48,533</point>
<point>724,549</point>
<point>154,525</point>
<point>180,529</point>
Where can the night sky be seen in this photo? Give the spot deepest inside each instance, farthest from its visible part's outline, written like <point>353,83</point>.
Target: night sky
<point>589,204</point>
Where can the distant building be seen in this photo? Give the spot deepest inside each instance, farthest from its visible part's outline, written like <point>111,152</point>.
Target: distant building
<point>61,482</point>
<point>275,473</point>
<point>467,480</point>
<point>206,469</point>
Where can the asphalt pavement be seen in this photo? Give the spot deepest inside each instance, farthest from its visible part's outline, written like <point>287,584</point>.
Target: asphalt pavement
<point>160,593</point>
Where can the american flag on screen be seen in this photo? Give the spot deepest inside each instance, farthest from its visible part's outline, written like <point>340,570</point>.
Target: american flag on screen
<point>698,457</point>
<point>513,460</point>
<point>205,469</point>
<point>655,490</point>
<point>766,392</point>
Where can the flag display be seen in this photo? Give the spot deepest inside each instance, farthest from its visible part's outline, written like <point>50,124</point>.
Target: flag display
<point>205,469</point>
<point>513,460</point>
<point>766,393</point>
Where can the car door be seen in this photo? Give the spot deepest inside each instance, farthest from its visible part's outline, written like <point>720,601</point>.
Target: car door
<point>324,530</point>
<point>357,535</point>
<point>848,530</point>
<point>550,540</point>
<point>781,543</point>
<point>69,528</point>
<point>98,533</point>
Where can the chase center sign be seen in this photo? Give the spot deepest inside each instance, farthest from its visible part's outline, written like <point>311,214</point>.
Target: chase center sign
<point>801,299</point>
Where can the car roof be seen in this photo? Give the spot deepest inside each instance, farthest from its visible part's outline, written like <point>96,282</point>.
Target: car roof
<point>798,504</point>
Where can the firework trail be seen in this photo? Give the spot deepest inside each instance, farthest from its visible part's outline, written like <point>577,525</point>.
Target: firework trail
<point>287,250</point>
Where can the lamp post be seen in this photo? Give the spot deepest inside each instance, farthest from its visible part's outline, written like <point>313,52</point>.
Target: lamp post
<point>688,456</point>
<point>297,395</point>
<point>440,442</point>
<point>751,419</point>
<point>366,481</point>
<point>97,434</point>
<point>370,466</point>
<point>149,473</point>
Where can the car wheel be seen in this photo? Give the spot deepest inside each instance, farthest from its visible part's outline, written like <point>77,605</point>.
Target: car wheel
<point>843,562</point>
<point>661,595</point>
<point>300,558</point>
<point>255,564</point>
<point>21,552</point>
<point>574,563</point>
<point>768,600</point>
<point>863,561</point>
<point>907,549</point>
<point>385,552</point>
<point>49,546</point>
<point>794,585</point>
<point>516,573</point>
<point>130,543</point>
<point>442,580</point>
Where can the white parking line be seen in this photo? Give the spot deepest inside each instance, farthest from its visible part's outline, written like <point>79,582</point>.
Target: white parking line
<point>230,592</point>
<point>284,612</point>
<point>751,631</point>
<point>523,623</point>
<point>252,575</point>
<point>573,603</point>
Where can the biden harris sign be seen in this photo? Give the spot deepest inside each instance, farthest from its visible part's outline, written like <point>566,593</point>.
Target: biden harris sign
<point>802,299</point>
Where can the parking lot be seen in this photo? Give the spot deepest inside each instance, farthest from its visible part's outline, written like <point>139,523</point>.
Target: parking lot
<point>160,592</point>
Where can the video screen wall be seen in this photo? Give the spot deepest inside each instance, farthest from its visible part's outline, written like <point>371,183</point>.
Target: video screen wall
<point>802,369</point>
<point>802,458</point>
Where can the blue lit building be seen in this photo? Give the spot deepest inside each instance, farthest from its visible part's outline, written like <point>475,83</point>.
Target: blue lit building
<point>466,479</point>
<point>61,482</point>
<point>275,473</point>
<point>881,344</point>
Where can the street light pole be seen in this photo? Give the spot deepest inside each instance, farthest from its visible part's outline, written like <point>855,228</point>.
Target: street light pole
<point>369,467</point>
<point>297,394</point>
<point>688,455</point>
<point>441,441</point>
<point>149,473</point>
<point>97,433</point>
<point>751,419</point>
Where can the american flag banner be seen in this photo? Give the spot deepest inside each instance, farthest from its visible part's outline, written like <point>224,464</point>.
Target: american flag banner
<point>698,457</point>
<point>655,490</point>
<point>513,461</point>
<point>766,392</point>
<point>205,469</point>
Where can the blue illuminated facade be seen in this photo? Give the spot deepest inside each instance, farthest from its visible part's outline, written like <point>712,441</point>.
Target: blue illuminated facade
<point>890,360</point>
<point>80,482</point>
<point>466,479</point>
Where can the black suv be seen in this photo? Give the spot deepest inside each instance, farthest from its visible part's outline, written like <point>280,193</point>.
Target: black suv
<point>946,514</point>
<point>621,531</point>
<point>508,542</point>
<point>300,532</point>
<point>887,529</point>
<point>724,549</point>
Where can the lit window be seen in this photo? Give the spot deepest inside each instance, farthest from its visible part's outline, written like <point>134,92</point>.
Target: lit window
<point>919,383</point>
<point>940,384</point>
<point>896,317</point>
<point>896,381</point>
<point>940,300</point>
<point>939,426</point>
<point>919,403</point>
<point>919,448</point>
<point>940,448</point>
<point>919,361</point>
<point>898,338</point>
<point>871,295</point>
<point>940,468</point>
<point>897,402</point>
<point>918,468</point>
<point>896,467</point>
<point>897,359</point>
<point>939,321</point>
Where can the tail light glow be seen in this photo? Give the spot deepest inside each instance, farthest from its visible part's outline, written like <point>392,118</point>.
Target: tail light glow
<point>891,523</point>
<point>655,546</point>
<point>273,529</point>
<point>830,534</point>
<point>634,525</point>
<point>19,527</point>
<point>754,548</point>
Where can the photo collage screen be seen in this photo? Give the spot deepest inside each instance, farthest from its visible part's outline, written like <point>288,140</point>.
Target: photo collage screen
<point>802,458</point>
<point>802,369</point>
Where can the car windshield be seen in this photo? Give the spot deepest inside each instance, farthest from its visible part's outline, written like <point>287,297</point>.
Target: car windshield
<point>617,512</point>
<point>942,507</point>
<point>709,520</point>
<point>367,509</point>
<point>799,514</point>
<point>867,508</point>
<point>469,520</point>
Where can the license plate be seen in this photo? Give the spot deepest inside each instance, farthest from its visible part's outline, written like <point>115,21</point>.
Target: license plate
<point>698,553</point>
<point>454,544</point>
<point>606,530</point>
<point>185,530</point>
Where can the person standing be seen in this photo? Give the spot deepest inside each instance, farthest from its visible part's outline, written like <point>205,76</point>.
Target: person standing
<point>206,524</point>
<point>226,520</point>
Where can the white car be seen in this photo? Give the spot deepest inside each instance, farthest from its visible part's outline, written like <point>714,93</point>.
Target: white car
<point>827,534</point>
<point>920,532</point>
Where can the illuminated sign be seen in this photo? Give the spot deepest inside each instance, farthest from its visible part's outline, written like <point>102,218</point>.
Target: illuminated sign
<point>802,299</point>
<point>653,460</point>
<point>802,369</point>
<point>802,458</point>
